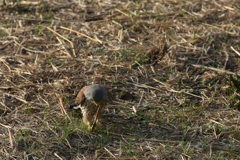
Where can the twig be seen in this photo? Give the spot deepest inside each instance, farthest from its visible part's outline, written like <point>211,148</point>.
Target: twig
<point>226,60</point>
<point>6,107</point>
<point>28,49</point>
<point>231,33</point>
<point>214,69</point>
<point>5,125</point>
<point>6,153</point>
<point>146,86</point>
<point>217,122</point>
<point>62,108</point>
<point>235,50</point>
<point>6,64</point>
<point>55,154</point>
<point>109,152</point>
<point>64,39</point>
<point>81,34</point>
<point>59,40</point>
<point>24,3</point>
<point>121,12</point>
<point>140,99</point>
<point>38,97</point>
<point>228,132</point>
<point>95,118</point>
<point>172,90</point>
<point>22,100</point>
<point>68,143</point>
<point>116,23</point>
<point>10,138</point>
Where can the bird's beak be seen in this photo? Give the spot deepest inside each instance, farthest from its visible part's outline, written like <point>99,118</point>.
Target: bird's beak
<point>97,104</point>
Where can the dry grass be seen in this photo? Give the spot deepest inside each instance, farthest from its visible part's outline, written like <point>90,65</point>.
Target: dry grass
<point>167,63</point>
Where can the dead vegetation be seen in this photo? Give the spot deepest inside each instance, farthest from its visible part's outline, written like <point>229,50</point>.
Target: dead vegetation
<point>168,64</point>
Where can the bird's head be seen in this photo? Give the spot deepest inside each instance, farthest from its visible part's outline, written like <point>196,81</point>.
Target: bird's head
<point>96,93</point>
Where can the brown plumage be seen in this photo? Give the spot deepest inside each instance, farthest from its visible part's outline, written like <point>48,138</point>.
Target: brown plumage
<point>92,100</point>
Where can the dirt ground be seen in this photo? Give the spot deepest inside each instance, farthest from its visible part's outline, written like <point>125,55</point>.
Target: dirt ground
<point>171,66</point>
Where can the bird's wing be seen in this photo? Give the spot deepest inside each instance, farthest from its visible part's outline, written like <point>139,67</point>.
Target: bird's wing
<point>80,98</point>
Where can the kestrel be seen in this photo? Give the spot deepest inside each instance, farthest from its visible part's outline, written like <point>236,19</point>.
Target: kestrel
<point>92,100</point>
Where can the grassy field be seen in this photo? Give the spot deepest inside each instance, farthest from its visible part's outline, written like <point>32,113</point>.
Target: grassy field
<point>171,66</point>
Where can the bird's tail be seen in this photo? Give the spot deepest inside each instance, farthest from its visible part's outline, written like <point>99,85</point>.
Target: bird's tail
<point>74,106</point>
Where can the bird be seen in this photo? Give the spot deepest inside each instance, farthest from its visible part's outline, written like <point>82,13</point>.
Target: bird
<point>92,100</point>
